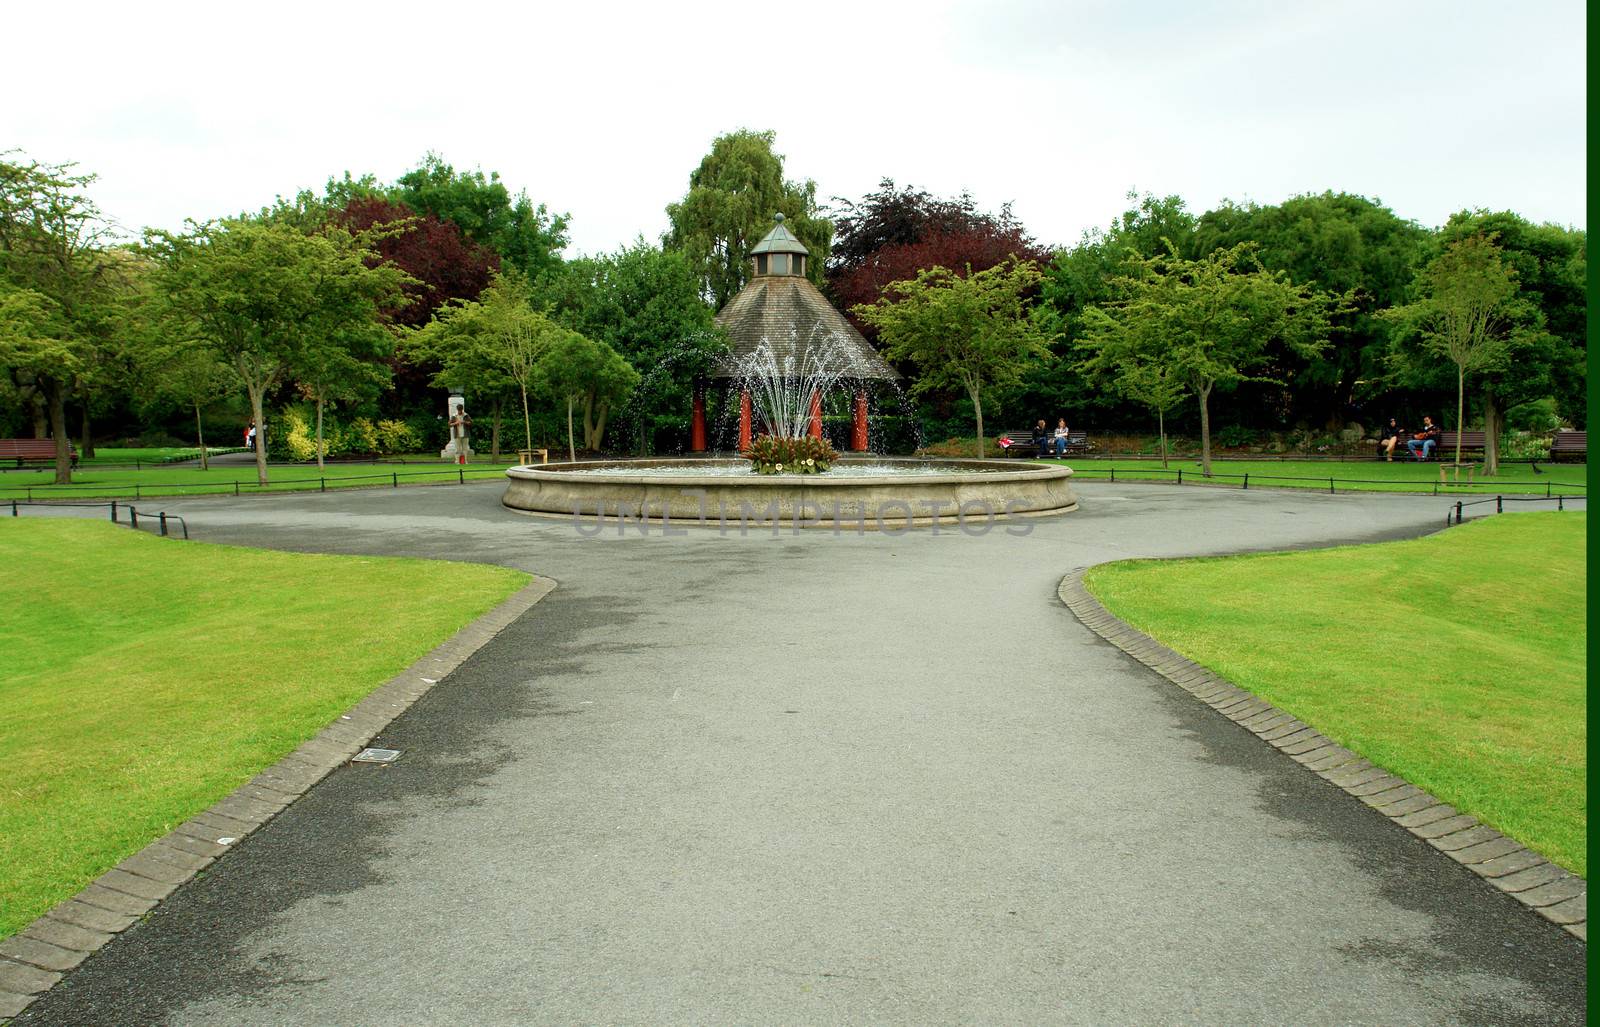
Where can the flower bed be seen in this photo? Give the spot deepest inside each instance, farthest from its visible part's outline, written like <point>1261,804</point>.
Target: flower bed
<point>773,454</point>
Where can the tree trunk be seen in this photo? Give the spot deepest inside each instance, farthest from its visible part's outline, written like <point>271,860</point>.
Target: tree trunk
<point>572,447</point>
<point>977,408</point>
<point>1205,430</point>
<point>1161,428</point>
<point>588,422</point>
<point>494,431</point>
<point>41,416</point>
<point>527,420</point>
<point>1461,405</point>
<point>261,432</point>
<point>86,446</point>
<point>320,465</point>
<point>600,425</point>
<point>1491,433</point>
<point>56,396</point>
<point>200,436</point>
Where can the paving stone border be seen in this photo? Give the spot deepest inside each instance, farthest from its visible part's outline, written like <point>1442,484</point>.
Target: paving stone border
<point>1526,876</point>
<point>32,961</point>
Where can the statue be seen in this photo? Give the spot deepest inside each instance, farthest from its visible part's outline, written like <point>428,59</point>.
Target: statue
<point>458,449</point>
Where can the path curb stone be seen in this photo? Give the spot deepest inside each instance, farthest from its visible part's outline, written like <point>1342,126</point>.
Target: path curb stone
<point>34,960</point>
<point>1503,863</point>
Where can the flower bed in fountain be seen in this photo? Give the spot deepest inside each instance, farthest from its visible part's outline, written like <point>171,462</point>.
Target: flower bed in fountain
<point>778,454</point>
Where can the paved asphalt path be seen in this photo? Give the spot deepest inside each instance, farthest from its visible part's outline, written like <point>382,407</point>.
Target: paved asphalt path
<point>822,779</point>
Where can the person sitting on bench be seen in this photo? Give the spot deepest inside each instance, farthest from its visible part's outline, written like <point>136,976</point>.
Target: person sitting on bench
<point>1041,439</point>
<point>1421,445</point>
<point>1060,441</point>
<point>1389,437</point>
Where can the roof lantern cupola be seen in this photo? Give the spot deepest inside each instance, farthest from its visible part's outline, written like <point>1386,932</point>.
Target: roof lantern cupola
<point>779,252</point>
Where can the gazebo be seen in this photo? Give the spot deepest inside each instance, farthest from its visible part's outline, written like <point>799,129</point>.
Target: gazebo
<point>781,308</point>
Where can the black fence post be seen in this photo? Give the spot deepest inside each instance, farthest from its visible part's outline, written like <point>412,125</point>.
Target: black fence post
<point>113,511</point>
<point>1247,481</point>
<point>394,479</point>
<point>133,517</point>
<point>1560,502</point>
<point>324,482</point>
<point>1113,475</point>
<point>136,491</point>
<point>1499,505</point>
<point>1458,512</point>
<point>236,487</point>
<point>461,475</point>
<point>13,508</point>
<point>1547,490</point>
<point>163,524</point>
<point>1330,486</point>
<point>1180,476</point>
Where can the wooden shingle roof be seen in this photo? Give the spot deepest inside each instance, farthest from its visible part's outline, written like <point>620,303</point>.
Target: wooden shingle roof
<point>792,316</point>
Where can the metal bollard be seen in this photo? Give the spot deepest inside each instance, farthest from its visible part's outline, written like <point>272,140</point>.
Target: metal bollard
<point>1330,486</point>
<point>1113,475</point>
<point>133,517</point>
<point>1547,490</point>
<point>394,479</point>
<point>1180,476</point>
<point>1561,502</point>
<point>13,508</point>
<point>1458,512</point>
<point>1247,481</point>
<point>1499,505</point>
<point>324,482</point>
<point>113,511</point>
<point>136,491</point>
<point>461,475</point>
<point>236,487</point>
<point>163,524</point>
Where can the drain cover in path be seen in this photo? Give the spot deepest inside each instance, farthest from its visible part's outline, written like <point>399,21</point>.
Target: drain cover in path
<point>376,756</point>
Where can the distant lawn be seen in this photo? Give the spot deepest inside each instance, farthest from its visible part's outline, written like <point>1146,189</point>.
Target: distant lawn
<point>1350,475</point>
<point>146,678</point>
<point>91,482</point>
<point>1456,661</point>
<point>150,454</point>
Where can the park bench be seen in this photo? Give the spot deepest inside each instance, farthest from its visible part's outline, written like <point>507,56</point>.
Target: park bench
<point>1018,443</point>
<point>525,456</point>
<point>1471,442</point>
<point>33,451</point>
<point>1570,445</point>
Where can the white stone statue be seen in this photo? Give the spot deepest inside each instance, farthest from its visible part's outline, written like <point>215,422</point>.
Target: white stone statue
<point>459,448</point>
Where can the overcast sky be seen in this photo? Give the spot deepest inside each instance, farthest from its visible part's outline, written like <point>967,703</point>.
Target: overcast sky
<point>602,109</point>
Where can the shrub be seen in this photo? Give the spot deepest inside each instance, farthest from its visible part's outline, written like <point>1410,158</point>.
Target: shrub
<point>775,454</point>
<point>1537,416</point>
<point>397,437</point>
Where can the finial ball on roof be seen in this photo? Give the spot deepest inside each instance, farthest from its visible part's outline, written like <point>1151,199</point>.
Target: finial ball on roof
<point>778,217</point>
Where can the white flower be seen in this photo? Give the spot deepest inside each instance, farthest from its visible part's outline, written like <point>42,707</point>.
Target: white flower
<point>779,467</point>
<point>809,461</point>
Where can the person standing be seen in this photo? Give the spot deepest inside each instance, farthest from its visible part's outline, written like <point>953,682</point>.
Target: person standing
<point>1389,437</point>
<point>1421,444</point>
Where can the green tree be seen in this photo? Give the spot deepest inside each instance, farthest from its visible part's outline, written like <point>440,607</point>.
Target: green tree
<point>644,302</point>
<point>1548,321</point>
<point>970,332</point>
<point>185,375</point>
<point>576,369</point>
<point>527,237</point>
<point>1341,244</point>
<point>498,337</point>
<point>340,367</point>
<point>62,287</point>
<point>732,196</point>
<point>1218,316</point>
<point>1138,363</point>
<point>263,295</point>
<point>1464,311</point>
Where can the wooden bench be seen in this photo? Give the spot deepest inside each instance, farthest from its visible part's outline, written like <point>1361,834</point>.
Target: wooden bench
<point>525,456</point>
<point>1016,443</point>
<point>1445,448</point>
<point>33,451</point>
<point>1569,445</point>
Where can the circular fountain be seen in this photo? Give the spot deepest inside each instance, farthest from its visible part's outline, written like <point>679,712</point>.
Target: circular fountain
<point>866,492</point>
<point>788,350</point>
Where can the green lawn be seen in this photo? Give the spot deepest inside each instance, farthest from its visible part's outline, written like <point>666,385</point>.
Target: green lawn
<point>1456,661</point>
<point>91,482</point>
<point>146,678</point>
<point>149,454</point>
<point>1351,475</point>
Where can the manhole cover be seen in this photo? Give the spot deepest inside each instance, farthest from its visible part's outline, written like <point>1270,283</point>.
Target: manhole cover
<point>376,756</point>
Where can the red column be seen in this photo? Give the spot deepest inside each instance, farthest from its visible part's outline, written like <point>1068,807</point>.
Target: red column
<point>815,428</point>
<point>697,422</point>
<point>858,437</point>
<point>744,420</point>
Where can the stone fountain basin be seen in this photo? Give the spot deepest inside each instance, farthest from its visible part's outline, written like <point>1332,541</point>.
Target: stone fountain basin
<point>703,491</point>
